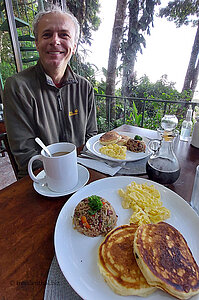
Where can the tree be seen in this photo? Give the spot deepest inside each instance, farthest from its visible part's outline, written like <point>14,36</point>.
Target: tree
<point>191,77</point>
<point>86,13</point>
<point>120,15</point>
<point>140,18</point>
<point>185,12</point>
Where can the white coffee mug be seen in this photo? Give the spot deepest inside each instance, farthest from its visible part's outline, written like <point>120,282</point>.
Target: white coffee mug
<point>61,168</point>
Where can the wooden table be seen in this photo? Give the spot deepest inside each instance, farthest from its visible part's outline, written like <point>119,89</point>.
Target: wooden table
<point>28,220</point>
<point>2,126</point>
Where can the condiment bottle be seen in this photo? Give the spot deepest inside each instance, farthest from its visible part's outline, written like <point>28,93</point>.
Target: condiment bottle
<point>163,165</point>
<point>186,126</point>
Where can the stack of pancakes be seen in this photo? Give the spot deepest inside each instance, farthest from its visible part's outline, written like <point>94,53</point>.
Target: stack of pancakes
<point>112,137</point>
<point>136,260</point>
<point>117,263</point>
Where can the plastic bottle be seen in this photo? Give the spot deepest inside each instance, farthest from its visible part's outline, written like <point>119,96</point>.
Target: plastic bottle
<point>186,126</point>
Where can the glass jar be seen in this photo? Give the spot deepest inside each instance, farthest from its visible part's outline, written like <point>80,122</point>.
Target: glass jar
<point>163,165</point>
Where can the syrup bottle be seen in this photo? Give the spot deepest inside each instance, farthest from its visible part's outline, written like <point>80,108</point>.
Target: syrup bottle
<point>163,165</point>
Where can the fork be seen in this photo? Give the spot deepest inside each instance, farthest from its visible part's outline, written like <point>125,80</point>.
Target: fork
<point>109,163</point>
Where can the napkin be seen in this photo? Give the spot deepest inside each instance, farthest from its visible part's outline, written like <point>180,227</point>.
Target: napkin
<point>98,166</point>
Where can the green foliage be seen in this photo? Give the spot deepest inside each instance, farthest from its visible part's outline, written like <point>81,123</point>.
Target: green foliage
<point>6,70</point>
<point>86,70</point>
<point>130,110</point>
<point>181,12</point>
<point>133,117</point>
<point>143,88</point>
<point>186,12</point>
<point>86,13</point>
<point>102,121</point>
<point>6,54</point>
<point>26,12</point>
<point>102,124</point>
<point>140,20</point>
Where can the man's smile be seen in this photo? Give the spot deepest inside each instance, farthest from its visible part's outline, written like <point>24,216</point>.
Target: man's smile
<point>55,52</point>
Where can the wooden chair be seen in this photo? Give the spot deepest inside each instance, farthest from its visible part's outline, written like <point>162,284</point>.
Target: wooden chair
<point>5,147</point>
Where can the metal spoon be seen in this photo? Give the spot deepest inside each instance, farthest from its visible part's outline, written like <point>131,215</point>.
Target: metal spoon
<point>38,141</point>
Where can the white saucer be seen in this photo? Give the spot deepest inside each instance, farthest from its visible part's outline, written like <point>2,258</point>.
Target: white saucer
<point>83,176</point>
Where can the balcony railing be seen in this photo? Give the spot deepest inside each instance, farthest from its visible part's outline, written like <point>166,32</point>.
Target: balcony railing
<point>115,111</point>
<point>147,113</point>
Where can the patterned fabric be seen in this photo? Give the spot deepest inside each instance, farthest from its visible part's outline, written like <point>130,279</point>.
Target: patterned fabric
<point>57,286</point>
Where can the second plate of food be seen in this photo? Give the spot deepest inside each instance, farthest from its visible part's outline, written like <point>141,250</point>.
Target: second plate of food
<point>77,254</point>
<point>94,146</point>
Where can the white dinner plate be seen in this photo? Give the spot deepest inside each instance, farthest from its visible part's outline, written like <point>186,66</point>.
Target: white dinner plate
<point>94,145</point>
<point>77,254</point>
<point>83,177</point>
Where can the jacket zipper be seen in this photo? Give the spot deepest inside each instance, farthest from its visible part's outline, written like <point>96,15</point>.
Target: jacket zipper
<point>60,107</point>
<point>61,117</point>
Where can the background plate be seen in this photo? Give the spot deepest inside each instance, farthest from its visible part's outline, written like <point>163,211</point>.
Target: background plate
<point>77,254</point>
<point>94,145</point>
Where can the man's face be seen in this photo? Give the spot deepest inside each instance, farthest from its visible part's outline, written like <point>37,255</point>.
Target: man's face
<point>55,42</point>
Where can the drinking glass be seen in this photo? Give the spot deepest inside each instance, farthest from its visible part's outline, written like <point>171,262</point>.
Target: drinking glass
<point>195,192</point>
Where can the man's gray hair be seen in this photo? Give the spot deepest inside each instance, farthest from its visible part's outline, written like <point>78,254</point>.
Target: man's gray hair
<point>55,9</point>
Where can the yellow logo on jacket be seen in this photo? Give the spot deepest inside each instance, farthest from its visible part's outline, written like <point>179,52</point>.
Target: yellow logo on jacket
<point>73,113</point>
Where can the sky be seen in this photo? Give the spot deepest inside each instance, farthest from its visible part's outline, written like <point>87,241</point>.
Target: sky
<point>167,51</point>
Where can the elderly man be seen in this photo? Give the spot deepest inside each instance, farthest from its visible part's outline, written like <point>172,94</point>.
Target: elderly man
<point>48,100</point>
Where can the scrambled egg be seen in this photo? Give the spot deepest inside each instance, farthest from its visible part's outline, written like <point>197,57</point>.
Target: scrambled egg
<point>114,150</point>
<point>145,202</point>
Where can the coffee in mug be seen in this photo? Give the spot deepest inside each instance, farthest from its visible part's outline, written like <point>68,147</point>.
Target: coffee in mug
<point>59,153</point>
<point>61,170</point>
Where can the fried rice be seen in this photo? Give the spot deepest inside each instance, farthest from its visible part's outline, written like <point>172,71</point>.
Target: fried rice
<point>99,223</point>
